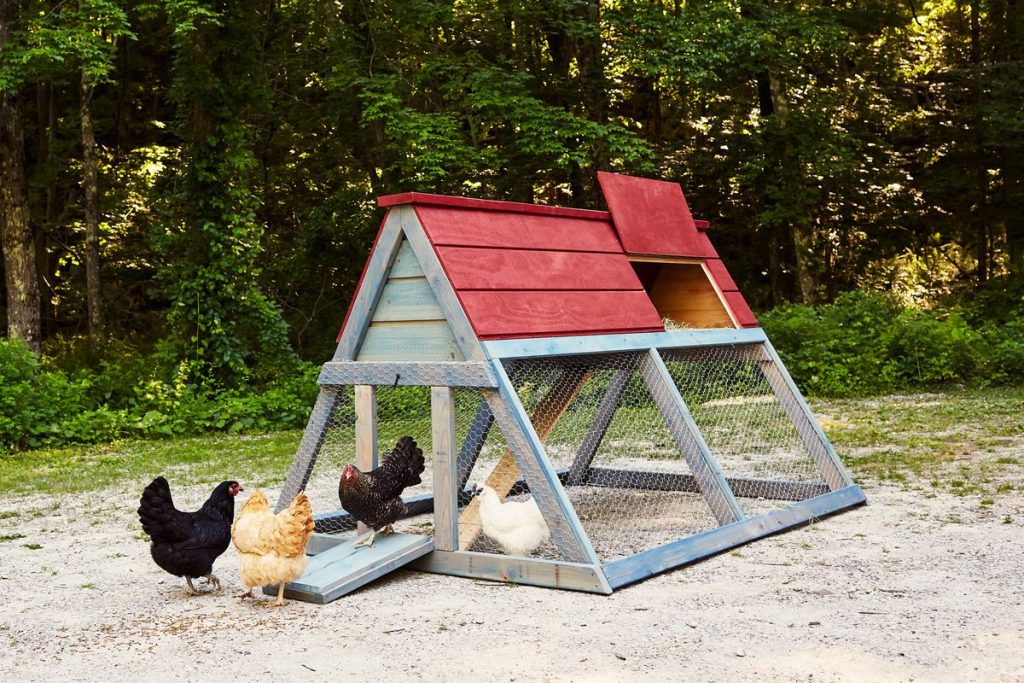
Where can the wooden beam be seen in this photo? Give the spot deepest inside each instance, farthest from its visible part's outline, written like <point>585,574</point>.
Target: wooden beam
<point>445,468</point>
<point>566,530</point>
<point>689,440</point>
<point>605,343</point>
<point>407,374</point>
<point>366,433</point>
<point>592,441</point>
<point>649,562</point>
<point>529,571</point>
<point>371,285</point>
<point>811,433</point>
<point>564,389</point>
<point>327,402</point>
<point>743,487</point>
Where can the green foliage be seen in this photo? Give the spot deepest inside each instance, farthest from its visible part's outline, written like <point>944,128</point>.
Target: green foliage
<point>46,406</point>
<point>867,343</point>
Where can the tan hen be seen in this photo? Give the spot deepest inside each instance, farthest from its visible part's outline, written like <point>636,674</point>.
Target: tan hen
<point>272,547</point>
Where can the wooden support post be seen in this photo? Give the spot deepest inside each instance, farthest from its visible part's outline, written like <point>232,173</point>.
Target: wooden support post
<point>446,504</point>
<point>605,412</point>
<point>327,402</point>
<point>825,458</point>
<point>563,390</point>
<point>366,434</point>
<point>689,440</point>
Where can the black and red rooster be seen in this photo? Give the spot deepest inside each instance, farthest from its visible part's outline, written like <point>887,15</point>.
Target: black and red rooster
<point>187,543</point>
<point>375,498</point>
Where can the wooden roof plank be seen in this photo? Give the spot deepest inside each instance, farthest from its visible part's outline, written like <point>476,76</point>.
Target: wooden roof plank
<point>521,269</point>
<point>500,313</point>
<point>448,226</point>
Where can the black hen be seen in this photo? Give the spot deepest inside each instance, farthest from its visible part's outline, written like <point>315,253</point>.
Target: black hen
<point>375,498</point>
<point>187,543</point>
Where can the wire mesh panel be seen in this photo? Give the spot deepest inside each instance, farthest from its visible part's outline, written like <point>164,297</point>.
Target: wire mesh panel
<point>745,425</point>
<point>603,433</point>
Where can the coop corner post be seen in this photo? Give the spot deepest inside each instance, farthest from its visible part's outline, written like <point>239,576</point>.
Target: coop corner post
<point>366,433</point>
<point>825,457</point>
<point>687,435</point>
<point>327,402</point>
<point>509,413</point>
<point>446,503</point>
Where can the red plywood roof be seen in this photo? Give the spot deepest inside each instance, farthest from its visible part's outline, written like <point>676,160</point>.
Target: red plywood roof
<point>526,270</point>
<point>522,273</point>
<point>652,218</point>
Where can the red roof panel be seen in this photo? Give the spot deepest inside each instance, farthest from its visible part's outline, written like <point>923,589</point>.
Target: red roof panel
<point>651,217</point>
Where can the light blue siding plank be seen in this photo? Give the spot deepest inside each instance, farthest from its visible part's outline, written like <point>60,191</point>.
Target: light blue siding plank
<point>414,342</point>
<point>407,300</point>
<point>642,565</point>
<point>374,277</point>
<point>603,343</point>
<point>446,297</point>
<point>689,439</point>
<point>405,264</point>
<point>529,571</point>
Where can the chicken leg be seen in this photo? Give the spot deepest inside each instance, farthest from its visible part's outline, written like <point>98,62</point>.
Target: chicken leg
<point>367,542</point>
<point>245,594</point>
<point>212,581</point>
<point>280,595</point>
<point>191,589</point>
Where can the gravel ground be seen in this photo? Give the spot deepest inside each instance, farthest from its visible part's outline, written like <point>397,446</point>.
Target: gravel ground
<point>910,587</point>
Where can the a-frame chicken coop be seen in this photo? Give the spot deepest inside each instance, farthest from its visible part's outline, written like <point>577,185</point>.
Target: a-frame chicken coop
<point>602,362</point>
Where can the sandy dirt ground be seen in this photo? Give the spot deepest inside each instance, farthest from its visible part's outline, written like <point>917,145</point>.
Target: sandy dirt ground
<point>910,587</point>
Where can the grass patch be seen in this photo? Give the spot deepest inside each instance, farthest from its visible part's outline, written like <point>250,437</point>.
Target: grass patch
<point>10,537</point>
<point>953,440</point>
<point>33,546</point>
<point>219,457</point>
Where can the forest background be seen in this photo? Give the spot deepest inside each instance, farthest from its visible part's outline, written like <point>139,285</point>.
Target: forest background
<point>187,188</point>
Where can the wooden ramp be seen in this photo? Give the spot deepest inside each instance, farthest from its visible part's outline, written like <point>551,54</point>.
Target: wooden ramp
<point>340,568</point>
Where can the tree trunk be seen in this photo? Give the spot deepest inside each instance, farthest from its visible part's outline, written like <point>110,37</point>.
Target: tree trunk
<point>19,254</point>
<point>980,171</point>
<point>92,218</point>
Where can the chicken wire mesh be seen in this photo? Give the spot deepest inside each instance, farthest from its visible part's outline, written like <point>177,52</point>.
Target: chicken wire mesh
<point>604,435</point>
<point>601,421</point>
<point>745,424</point>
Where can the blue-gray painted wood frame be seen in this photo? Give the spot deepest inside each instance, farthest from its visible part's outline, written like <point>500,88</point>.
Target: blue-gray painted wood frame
<point>689,439</point>
<point>571,346</point>
<point>327,403</point>
<point>566,529</point>
<point>374,278</point>
<point>602,419</point>
<point>650,562</point>
<point>825,456</point>
<point>408,373</point>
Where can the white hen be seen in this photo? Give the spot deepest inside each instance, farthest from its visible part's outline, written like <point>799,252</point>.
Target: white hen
<point>517,526</point>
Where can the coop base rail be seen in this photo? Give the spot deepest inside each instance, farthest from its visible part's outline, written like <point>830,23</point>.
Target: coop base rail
<point>649,562</point>
<point>742,487</point>
<point>546,573</point>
